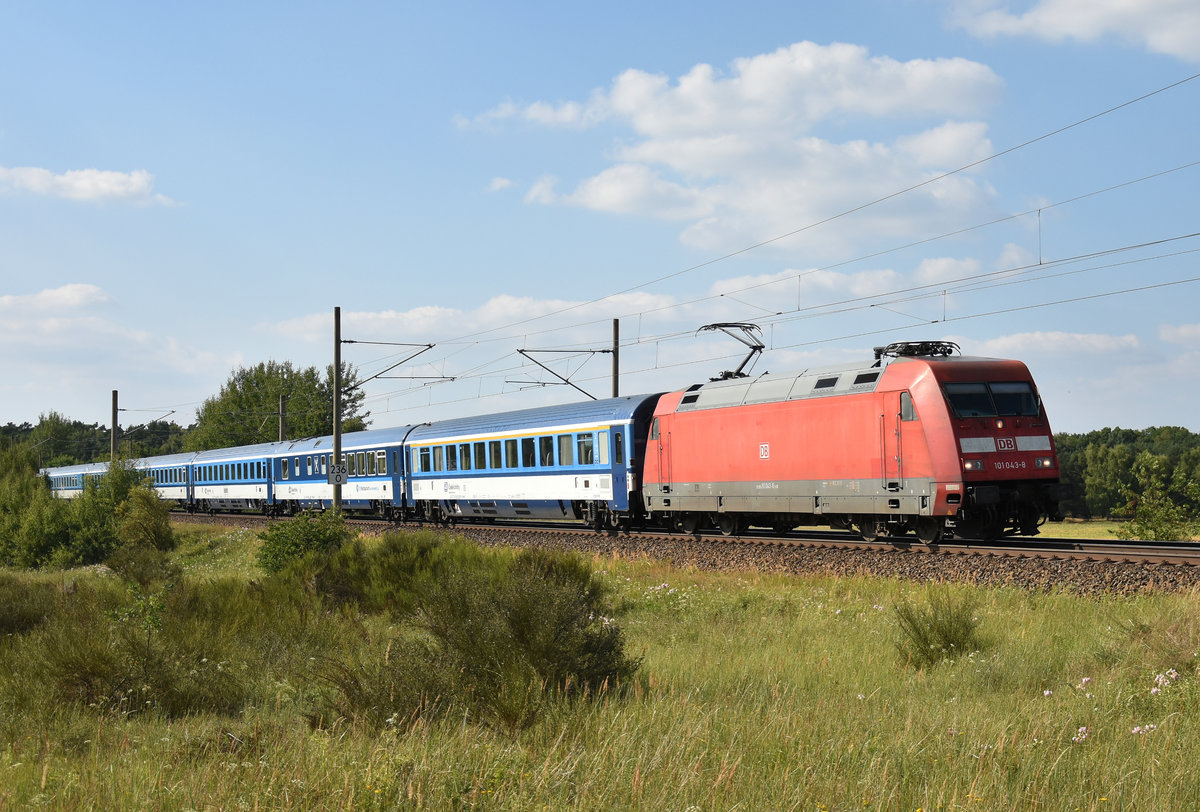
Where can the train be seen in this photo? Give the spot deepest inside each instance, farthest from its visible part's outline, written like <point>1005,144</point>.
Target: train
<point>920,440</point>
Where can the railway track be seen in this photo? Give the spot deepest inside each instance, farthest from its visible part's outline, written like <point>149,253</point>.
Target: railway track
<point>1087,566</point>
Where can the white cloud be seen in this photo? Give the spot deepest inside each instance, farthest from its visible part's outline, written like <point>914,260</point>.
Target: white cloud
<point>76,296</point>
<point>738,157</point>
<point>1170,27</point>
<point>1022,345</point>
<point>1186,334</point>
<point>81,184</point>
<point>499,184</point>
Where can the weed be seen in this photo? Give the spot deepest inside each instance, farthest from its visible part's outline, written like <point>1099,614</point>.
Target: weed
<point>946,628</point>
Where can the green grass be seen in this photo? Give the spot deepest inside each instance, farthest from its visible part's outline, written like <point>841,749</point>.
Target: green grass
<point>756,692</point>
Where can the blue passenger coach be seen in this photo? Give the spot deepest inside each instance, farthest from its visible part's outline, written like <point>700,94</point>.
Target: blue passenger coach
<point>374,465</point>
<point>578,461</point>
<point>170,475</point>
<point>233,478</point>
<point>67,482</point>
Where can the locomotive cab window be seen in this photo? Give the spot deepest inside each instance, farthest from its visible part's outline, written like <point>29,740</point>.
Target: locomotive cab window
<point>997,399</point>
<point>654,429</point>
<point>1014,398</point>
<point>908,412</point>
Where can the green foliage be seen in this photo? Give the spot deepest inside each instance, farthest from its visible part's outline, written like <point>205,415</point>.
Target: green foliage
<point>946,628</point>
<point>1160,509</point>
<point>246,409</point>
<point>1100,464</point>
<point>39,530</point>
<point>57,440</point>
<point>144,520</point>
<point>498,637</point>
<point>286,542</point>
<point>24,605</point>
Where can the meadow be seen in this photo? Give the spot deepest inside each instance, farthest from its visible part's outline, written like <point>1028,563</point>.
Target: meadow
<point>754,692</point>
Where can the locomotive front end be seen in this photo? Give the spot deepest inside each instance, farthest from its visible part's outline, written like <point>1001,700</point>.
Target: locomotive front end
<point>1004,449</point>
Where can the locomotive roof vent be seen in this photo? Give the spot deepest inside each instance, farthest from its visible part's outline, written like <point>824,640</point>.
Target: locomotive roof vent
<point>910,349</point>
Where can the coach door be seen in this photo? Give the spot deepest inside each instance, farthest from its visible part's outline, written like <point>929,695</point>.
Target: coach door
<point>891,441</point>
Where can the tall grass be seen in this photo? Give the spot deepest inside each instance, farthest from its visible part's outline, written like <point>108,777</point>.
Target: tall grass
<point>755,692</point>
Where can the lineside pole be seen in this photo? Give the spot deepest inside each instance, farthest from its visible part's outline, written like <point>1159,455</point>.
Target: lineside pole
<point>616,357</point>
<point>112,448</point>
<point>337,403</point>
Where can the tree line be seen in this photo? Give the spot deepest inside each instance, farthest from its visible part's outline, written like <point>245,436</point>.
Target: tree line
<point>246,411</point>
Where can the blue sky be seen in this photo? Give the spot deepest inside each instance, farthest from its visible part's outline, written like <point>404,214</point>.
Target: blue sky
<point>189,188</point>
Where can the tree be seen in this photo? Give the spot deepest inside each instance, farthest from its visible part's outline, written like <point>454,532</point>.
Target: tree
<point>246,411</point>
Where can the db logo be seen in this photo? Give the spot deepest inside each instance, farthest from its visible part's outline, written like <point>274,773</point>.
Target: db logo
<point>1006,444</point>
<point>764,451</point>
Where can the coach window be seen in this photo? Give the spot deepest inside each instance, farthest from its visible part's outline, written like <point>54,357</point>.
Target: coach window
<point>464,456</point>
<point>438,453</point>
<point>619,446</point>
<point>585,449</point>
<point>423,464</point>
<point>381,462</point>
<point>602,447</point>
<point>284,463</point>
<point>510,454</point>
<point>565,455</point>
<point>480,456</point>
<point>528,452</point>
<point>908,412</point>
<point>451,458</point>
<point>351,468</point>
<point>546,450</point>
<point>362,463</point>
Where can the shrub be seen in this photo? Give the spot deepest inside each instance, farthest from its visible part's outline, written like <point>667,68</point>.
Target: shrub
<point>144,520</point>
<point>286,542</point>
<point>494,636</point>
<point>945,629</point>
<point>24,605</point>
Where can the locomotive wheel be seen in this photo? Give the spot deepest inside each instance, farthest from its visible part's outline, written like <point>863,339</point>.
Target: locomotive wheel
<point>929,530</point>
<point>689,523</point>
<point>730,524</point>
<point>871,530</point>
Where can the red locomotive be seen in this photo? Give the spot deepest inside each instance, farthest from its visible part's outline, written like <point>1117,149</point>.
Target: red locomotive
<point>921,440</point>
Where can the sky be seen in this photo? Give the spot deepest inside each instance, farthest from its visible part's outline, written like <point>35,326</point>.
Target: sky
<point>186,189</point>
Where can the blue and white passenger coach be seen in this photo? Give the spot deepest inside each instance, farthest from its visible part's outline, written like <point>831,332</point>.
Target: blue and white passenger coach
<point>578,461</point>
<point>233,478</point>
<point>373,460</point>
<point>170,475</point>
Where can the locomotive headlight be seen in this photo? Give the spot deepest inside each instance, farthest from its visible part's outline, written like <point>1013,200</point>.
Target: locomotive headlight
<point>972,465</point>
<point>1000,423</point>
<point>1043,462</point>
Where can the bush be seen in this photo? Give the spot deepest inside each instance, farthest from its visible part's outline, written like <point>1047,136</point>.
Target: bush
<point>144,520</point>
<point>944,630</point>
<point>496,637</point>
<point>286,542</point>
<point>24,605</point>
